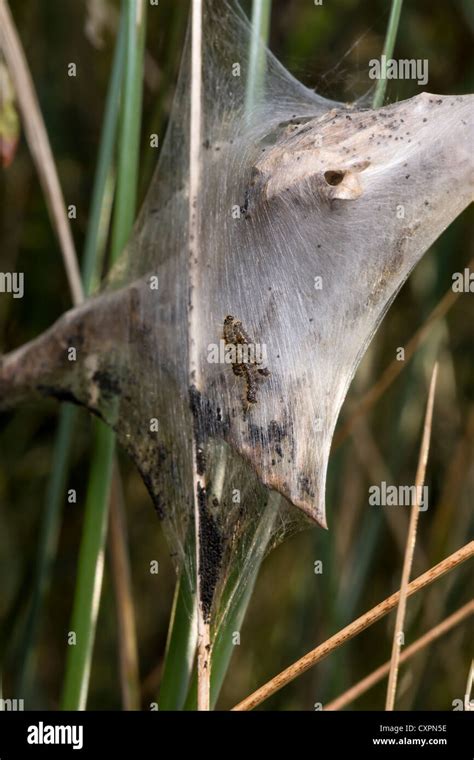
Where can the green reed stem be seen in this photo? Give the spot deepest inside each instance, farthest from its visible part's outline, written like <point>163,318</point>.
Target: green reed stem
<point>388,48</point>
<point>91,553</point>
<point>94,242</point>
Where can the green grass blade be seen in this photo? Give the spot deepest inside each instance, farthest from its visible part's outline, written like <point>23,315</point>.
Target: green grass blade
<point>89,581</point>
<point>129,140</point>
<point>388,48</point>
<point>261,13</point>
<point>90,572</point>
<point>104,164</point>
<point>180,647</point>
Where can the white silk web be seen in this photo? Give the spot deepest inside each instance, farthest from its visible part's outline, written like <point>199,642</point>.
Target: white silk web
<point>301,252</point>
<point>234,279</point>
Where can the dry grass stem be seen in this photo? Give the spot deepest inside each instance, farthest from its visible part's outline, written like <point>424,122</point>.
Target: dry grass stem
<point>377,675</point>
<point>398,633</point>
<point>40,148</point>
<point>353,629</point>
<point>122,582</point>
<point>468,702</point>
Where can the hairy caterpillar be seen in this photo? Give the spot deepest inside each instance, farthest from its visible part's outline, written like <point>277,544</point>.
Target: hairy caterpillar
<point>235,334</point>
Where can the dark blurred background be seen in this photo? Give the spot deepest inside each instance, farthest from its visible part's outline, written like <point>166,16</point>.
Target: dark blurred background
<point>293,609</point>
